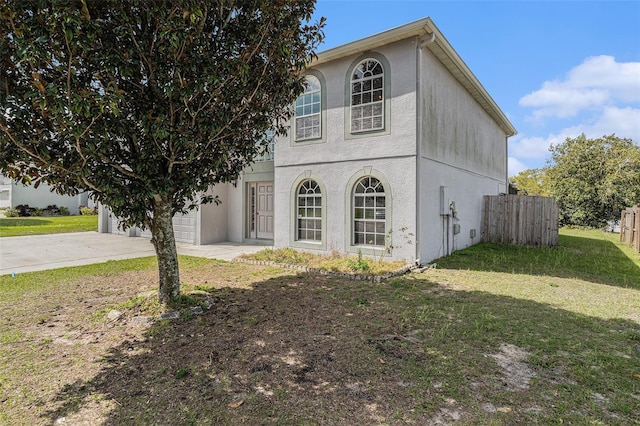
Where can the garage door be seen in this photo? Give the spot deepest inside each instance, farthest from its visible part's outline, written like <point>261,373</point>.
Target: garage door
<point>113,226</point>
<point>184,228</point>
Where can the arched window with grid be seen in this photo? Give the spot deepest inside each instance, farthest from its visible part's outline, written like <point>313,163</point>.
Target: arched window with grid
<point>367,96</point>
<point>309,207</point>
<point>369,212</point>
<point>308,110</point>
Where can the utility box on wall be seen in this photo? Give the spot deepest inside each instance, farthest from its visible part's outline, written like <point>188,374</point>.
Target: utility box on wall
<point>444,201</point>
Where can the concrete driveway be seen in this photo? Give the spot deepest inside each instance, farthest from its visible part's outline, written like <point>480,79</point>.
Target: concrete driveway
<point>41,252</point>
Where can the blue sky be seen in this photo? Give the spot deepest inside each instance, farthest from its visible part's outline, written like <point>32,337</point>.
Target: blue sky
<point>556,68</point>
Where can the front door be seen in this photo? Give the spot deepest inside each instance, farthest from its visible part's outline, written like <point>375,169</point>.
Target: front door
<point>260,214</point>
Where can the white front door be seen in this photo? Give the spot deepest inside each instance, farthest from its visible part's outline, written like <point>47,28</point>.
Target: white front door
<point>260,214</point>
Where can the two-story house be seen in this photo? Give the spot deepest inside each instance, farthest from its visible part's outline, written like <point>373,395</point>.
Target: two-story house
<point>393,144</point>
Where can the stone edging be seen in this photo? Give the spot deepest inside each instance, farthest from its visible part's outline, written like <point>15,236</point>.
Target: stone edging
<point>347,275</point>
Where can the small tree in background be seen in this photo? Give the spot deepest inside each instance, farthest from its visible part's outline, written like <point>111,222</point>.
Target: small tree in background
<point>594,179</point>
<point>531,182</point>
<point>147,104</point>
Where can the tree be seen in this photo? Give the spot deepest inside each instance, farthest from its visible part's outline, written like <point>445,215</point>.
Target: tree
<point>594,179</point>
<point>147,104</point>
<point>531,182</point>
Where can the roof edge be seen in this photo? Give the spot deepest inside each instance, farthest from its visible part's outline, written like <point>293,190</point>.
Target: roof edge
<point>471,79</point>
<point>402,32</point>
<point>425,28</point>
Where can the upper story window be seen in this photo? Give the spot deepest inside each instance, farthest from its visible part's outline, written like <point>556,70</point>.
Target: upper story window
<point>367,96</point>
<point>270,136</point>
<point>308,108</point>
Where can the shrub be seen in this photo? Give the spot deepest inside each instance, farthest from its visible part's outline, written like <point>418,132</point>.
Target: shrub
<point>9,212</point>
<point>24,210</point>
<point>63,211</point>
<point>37,211</point>
<point>360,264</point>
<point>52,210</point>
<point>87,211</point>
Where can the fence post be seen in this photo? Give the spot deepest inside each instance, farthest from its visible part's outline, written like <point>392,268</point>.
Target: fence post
<point>636,228</point>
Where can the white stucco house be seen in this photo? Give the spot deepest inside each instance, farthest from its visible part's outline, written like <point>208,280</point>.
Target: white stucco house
<point>393,136</point>
<point>13,194</point>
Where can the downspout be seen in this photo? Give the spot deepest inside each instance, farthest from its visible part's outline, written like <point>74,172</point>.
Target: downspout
<point>419,125</point>
<point>431,39</point>
<point>506,165</point>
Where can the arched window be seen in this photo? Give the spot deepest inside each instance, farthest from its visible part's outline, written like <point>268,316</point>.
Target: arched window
<point>369,212</point>
<point>270,139</point>
<point>367,96</point>
<point>309,217</point>
<point>308,108</point>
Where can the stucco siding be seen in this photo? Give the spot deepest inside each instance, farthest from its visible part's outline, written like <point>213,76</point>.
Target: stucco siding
<point>340,157</point>
<point>465,189</point>
<point>461,149</point>
<point>397,139</point>
<point>455,130</point>
<point>398,172</point>
<point>236,212</point>
<point>41,197</point>
<point>212,218</point>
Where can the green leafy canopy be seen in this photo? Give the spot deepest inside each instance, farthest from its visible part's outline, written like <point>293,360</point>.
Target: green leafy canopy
<point>134,100</point>
<point>594,179</point>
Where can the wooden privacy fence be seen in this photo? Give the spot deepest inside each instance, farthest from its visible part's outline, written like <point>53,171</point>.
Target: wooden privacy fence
<point>630,227</point>
<point>520,220</point>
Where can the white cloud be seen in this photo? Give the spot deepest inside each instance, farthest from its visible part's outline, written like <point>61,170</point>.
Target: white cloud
<point>597,83</point>
<point>515,166</point>
<point>623,122</point>
<point>598,97</point>
<point>535,147</point>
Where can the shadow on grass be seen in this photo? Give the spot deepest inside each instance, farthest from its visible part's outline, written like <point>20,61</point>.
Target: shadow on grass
<point>595,260</point>
<point>321,350</point>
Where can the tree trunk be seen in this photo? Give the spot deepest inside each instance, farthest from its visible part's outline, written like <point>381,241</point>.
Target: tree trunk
<point>165,245</point>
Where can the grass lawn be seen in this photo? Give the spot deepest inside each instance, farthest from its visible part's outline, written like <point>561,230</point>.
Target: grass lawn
<point>493,334</point>
<point>17,226</point>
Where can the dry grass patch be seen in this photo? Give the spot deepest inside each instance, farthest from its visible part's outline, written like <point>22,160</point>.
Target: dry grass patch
<point>335,262</point>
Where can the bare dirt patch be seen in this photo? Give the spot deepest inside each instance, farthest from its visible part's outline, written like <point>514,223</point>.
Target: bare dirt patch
<point>516,373</point>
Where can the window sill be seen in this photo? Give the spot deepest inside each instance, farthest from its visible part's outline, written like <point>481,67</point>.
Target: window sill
<point>368,250</point>
<point>299,142</point>
<point>313,245</point>
<point>361,134</point>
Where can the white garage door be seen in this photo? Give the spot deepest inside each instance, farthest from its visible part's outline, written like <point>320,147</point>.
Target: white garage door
<point>184,228</point>
<point>113,226</point>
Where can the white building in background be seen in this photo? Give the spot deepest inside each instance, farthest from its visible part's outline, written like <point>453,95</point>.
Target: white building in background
<point>393,145</point>
<point>13,194</point>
